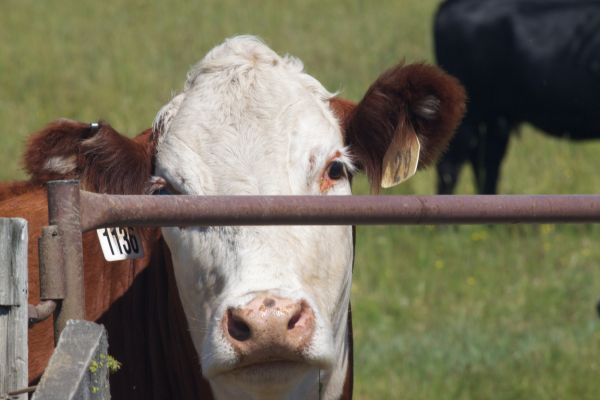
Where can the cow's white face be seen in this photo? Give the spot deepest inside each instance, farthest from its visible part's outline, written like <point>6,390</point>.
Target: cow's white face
<point>266,306</point>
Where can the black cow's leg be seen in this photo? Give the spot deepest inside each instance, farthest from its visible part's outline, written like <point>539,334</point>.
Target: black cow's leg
<point>447,175</point>
<point>487,160</point>
<point>452,161</point>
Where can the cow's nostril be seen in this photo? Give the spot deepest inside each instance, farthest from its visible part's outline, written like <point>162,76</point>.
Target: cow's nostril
<point>296,318</point>
<point>268,302</point>
<point>237,328</point>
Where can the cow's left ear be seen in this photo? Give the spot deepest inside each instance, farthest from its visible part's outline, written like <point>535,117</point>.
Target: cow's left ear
<point>404,122</point>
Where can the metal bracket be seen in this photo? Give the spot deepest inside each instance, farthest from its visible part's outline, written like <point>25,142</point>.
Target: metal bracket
<point>52,274</point>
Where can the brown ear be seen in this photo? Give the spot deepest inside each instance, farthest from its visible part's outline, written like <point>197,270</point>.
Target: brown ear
<point>101,158</point>
<point>53,152</point>
<point>406,102</point>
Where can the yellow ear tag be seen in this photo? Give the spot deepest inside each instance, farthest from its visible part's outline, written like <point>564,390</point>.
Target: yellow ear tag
<point>401,160</point>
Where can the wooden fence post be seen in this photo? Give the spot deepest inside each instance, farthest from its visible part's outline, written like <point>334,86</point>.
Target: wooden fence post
<point>79,366</point>
<point>13,307</point>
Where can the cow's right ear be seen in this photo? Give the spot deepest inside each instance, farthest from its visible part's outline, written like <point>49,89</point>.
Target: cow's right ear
<point>101,158</point>
<point>404,121</point>
<point>54,151</point>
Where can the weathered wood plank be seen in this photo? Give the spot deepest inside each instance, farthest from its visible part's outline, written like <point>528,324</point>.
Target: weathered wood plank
<point>78,368</point>
<point>13,306</point>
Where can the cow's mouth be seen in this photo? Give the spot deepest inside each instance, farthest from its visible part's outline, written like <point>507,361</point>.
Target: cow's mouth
<point>270,364</point>
<point>275,370</point>
<point>267,368</point>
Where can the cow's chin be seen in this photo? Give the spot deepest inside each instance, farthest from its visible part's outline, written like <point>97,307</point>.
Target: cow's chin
<point>268,379</point>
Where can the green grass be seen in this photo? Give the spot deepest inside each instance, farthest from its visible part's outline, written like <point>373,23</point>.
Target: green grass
<point>121,60</point>
<point>472,312</point>
<point>477,312</point>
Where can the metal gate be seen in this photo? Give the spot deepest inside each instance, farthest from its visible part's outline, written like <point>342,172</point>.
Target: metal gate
<point>72,212</point>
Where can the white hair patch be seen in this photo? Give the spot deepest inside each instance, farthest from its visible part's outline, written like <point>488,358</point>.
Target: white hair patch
<point>60,164</point>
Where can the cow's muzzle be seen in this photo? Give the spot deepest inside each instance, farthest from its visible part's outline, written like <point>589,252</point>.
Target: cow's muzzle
<point>269,329</point>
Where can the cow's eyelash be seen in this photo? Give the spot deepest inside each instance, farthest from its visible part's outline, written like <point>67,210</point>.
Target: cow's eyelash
<point>345,158</point>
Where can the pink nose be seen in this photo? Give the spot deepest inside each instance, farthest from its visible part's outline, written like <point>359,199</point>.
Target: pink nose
<point>269,328</point>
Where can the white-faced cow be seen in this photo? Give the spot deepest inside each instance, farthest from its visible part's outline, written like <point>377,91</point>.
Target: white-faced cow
<point>265,309</point>
<point>535,61</point>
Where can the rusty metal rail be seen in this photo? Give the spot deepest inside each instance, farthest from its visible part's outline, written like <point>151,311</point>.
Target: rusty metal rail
<point>72,212</point>
<point>99,210</point>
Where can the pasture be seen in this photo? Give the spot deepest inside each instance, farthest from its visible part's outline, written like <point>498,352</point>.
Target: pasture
<point>471,312</point>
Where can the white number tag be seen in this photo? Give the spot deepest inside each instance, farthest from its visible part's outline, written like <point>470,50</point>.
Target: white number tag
<point>120,243</point>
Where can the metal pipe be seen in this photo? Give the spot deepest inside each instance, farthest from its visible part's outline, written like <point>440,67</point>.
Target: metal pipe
<point>40,311</point>
<point>51,263</point>
<point>28,389</point>
<point>100,210</point>
<point>63,211</point>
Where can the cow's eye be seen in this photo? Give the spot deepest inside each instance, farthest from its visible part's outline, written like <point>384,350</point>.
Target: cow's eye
<point>337,170</point>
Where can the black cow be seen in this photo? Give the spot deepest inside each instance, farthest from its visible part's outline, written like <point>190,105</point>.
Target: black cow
<point>535,61</point>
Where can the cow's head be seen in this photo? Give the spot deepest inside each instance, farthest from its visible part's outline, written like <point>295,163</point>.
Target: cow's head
<point>267,306</point>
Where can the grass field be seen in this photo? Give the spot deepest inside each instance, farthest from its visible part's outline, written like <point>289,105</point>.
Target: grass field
<point>472,312</point>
